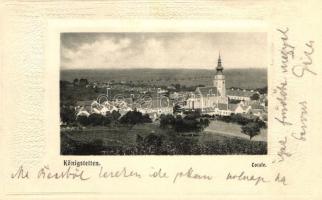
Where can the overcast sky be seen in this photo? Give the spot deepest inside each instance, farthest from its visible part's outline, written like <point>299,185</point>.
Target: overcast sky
<point>162,50</point>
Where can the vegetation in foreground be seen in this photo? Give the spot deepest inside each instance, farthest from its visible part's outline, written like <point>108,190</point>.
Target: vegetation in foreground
<point>119,135</point>
<point>149,140</point>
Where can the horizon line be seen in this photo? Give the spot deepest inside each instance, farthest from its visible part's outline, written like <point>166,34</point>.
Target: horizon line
<point>180,68</point>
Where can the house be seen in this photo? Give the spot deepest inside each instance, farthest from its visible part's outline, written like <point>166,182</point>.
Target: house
<point>240,108</point>
<point>239,94</point>
<point>82,113</point>
<point>85,105</point>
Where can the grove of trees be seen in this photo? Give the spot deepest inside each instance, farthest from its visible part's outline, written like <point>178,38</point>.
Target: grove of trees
<point>95,119</point>
<point>135,117</point>
<point>242,120</point>
<point>189,123</point>
<point>68,116</point>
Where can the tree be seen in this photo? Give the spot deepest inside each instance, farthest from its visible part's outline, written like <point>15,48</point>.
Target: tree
<point>178,125</point>
<point>260,123</point>
<point>177,108</point>
<point>76,82</point>
<point>167,121</point>
<point>139,139</point>
<point>67,114</point>
<point>204,122</point>
<point>193,114</point>
<point>63,84</point>
<point>83,82</point>
<point>251,129</point>
<point>262,90</point>
<point>116,115</point>
<point>96,119</point>
<point>255,96</point>
<point>83,120</point>
<point>146,119</point>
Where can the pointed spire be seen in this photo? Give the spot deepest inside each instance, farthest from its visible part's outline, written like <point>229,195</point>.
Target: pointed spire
<point>219,65</point>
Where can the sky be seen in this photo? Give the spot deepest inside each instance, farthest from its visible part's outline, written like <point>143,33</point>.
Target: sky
<point>163,50</point>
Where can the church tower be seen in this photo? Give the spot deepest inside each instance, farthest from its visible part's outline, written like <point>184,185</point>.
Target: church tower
<point>219,80</point>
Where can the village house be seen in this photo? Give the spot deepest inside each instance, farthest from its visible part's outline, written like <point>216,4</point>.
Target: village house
<point>239,94</point>
<point>212,100</point>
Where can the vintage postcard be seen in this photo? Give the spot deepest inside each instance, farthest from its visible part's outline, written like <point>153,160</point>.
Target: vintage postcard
<point>160,100</point>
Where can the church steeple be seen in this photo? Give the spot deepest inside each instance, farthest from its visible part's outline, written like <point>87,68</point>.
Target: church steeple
<point>219,67</point>
<point>219,79</point>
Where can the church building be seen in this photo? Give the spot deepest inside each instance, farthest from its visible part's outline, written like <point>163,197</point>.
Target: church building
<point>213,99</point>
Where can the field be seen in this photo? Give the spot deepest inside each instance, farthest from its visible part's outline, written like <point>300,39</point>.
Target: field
<point>243,78</point>
<point>114,136</point>
<point>123,140</point>
<point>233,130</point>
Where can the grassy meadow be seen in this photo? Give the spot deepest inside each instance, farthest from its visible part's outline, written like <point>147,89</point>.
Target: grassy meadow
<point>123,140</point>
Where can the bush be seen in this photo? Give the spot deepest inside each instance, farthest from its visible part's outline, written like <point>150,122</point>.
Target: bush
<point>171,144</point>
<point>72,147</point>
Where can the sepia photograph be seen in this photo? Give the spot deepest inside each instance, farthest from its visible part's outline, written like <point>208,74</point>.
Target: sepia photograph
<point>163,93</point>
<point>160,99</point>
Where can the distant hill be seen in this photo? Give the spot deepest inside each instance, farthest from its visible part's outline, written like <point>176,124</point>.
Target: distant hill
<point>244,78</point>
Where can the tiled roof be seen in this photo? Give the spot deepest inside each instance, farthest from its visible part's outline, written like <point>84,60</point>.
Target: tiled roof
<point>232,106</point>
<point>256,106</point>
<point>84,103</point>
<point>155,103</point>
<point>240,93</point>
<point>222,106</point>
<point>244,107</point>
<point>204,91</point>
